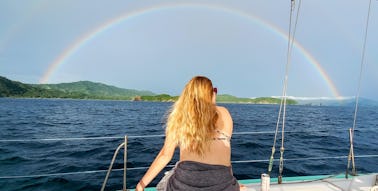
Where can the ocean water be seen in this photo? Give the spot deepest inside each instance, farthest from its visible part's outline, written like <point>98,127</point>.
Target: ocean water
<point>33,141</point>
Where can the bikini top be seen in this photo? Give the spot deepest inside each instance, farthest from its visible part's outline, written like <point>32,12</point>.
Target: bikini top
<point>222,136</point>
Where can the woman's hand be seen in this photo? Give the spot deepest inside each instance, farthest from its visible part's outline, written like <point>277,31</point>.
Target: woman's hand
<point>140,186</point>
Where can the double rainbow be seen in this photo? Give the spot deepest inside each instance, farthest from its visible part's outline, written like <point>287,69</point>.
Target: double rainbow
<point>104,27</point>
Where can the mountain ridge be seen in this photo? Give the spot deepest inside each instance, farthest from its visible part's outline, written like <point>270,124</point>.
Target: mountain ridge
<point>75,90</point>
<point>96,90</point>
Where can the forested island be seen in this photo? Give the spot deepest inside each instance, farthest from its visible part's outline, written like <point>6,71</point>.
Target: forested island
<point>93,90</point>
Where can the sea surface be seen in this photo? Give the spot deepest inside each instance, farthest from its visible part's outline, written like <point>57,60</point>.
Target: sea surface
<point>38,152</point>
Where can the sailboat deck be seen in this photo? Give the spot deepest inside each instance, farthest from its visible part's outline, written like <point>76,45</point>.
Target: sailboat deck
<point>361,183</point>
<point>314,183</point>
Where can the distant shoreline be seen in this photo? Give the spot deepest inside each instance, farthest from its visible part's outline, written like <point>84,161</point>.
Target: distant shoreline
<point>87,90</point>
<point>142,101</point>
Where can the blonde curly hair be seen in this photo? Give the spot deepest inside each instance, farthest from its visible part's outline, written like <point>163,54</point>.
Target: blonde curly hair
<point>191,120</point>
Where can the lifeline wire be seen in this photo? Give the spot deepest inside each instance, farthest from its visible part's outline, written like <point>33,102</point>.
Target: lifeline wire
<point>170,166</point>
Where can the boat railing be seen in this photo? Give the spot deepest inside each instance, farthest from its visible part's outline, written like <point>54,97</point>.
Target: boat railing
<point>159,135</point>
<point>125,143</point>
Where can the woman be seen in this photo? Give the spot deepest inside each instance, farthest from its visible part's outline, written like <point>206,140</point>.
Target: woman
<point>202,131</point>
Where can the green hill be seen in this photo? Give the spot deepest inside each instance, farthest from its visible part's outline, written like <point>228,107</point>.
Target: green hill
<point>96,90</point>
<point>92,90</point>
<point>260,100</point>
<point>9,88</point>
<point>220,99</point>
<point>75,90</point>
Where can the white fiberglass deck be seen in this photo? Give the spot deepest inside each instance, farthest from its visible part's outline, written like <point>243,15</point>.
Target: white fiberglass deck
<point>314,183</point>
<point>358,183</point>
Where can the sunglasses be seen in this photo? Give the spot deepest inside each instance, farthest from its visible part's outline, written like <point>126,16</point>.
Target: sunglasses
<point>215,90</point>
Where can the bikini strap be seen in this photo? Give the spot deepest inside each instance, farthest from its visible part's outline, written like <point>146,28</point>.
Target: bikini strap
<point>226,137</point>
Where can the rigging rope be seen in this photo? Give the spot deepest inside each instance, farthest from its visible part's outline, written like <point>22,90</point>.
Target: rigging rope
<point>351,153</point>
<point>284,95</point>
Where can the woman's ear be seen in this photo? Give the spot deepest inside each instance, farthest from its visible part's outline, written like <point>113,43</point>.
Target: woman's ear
<point>214,98</point>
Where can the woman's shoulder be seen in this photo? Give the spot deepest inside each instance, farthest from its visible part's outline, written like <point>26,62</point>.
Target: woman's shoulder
<point>223,110</point>
<point>225,119</point>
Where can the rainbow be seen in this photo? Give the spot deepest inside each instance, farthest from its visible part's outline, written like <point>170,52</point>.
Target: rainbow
<point>87,37</point>
<point>10,32</point>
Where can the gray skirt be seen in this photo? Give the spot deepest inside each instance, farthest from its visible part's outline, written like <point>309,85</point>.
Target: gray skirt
<point>192,176</point>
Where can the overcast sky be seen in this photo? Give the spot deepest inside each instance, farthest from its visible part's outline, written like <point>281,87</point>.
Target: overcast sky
<point>160,45</point>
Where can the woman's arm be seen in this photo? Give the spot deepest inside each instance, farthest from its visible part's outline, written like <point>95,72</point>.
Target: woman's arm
<point>225,122</point>
<point>162,159</point>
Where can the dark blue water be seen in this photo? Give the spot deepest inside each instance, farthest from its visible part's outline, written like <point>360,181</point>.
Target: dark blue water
<point>30,119</point>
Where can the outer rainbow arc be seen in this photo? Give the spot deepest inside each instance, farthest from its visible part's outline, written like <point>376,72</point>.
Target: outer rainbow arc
<point>81,42</point>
